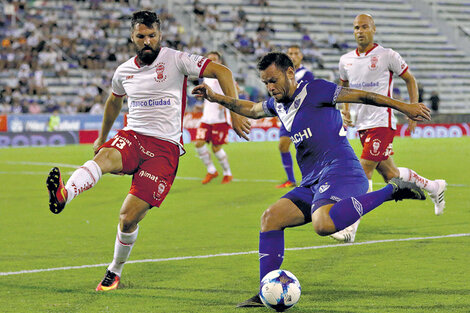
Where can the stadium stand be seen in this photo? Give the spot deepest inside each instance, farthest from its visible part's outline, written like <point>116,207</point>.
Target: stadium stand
<point>61,54</point>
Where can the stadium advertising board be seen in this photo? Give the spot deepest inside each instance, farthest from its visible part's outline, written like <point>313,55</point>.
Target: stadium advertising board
<point>38,139</point>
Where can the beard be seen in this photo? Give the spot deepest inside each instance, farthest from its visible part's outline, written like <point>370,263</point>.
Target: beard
<point>147,54</point>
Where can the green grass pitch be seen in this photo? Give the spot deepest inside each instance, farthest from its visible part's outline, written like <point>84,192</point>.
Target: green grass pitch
<point>425,275</point>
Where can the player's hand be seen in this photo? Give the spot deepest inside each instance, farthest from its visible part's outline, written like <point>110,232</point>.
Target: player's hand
<point>241,125</point>
<point>347,121</point>
<point>98,143</point>
<point>417,112</point>
<point>204,91</point>
<point>412,125</point>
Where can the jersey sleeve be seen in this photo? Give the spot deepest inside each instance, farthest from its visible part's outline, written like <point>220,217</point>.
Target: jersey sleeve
<point>396,63</point>
<point>116,85</point>
<point>343,75</point>
<point>268,107</point>
<point>191,64</point>
<point>324,92</point>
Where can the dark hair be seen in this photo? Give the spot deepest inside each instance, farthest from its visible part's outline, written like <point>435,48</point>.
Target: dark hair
<point>147,18</point>
<point>280,59</point>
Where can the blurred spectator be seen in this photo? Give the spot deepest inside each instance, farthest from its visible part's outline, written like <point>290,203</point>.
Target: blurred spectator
<point>434,99</point>
<point>199,11</point>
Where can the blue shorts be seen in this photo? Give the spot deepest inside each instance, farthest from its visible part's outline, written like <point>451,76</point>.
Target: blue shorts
<point>329,189</point>
<point>283,131</point>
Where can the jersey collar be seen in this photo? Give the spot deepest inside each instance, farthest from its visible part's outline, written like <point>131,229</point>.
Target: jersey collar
<point>367,52</point>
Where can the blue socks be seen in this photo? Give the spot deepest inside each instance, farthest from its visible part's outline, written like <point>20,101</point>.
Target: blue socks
<point>288,165</point>
<point>271,251</point>
<point>347,211</point>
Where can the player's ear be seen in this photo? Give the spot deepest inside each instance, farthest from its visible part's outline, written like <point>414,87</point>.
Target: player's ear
<point>290,73</point>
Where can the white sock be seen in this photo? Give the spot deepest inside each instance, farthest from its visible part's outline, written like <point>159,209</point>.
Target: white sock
<point>85,177</point>
<point>370,186</point>
<point>122,249</point>
<point>411,176</point>
<point>223,160</point>
<point>205,156</point>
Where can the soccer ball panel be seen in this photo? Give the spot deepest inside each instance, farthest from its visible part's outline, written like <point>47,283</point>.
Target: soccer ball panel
<point>280,290</point>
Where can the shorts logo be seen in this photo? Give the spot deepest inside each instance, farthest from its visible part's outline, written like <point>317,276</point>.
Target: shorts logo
<point>199,64</point>
<point>357,206</point>
<point>335,198</point>
<point>373,62</point>
<point>324,188</point>
<point>159,69</point>
<point>146,174</point>
<point>375,147</point>
<point>162,186</point>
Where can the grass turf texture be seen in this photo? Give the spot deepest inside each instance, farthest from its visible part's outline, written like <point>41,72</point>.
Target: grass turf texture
<point>414,276</point>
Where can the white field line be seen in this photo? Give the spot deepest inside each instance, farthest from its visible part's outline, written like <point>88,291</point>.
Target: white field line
<point>233,254</point>
<point>177,177</point>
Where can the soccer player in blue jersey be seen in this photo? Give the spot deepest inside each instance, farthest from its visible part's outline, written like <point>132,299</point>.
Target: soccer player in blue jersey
<point>333,192</point>
<point>301,74</point>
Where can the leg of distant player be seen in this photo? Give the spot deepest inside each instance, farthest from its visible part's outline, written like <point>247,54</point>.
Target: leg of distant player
<point>221,155</point>
<point>132,212</point>
<point>435,188</point>
<point>205,155</point>
<point>284,145</point>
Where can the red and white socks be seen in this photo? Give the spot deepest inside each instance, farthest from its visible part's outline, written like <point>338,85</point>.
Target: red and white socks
<point>85,177</point>
<point>411,176</point>
<point>205,156</point>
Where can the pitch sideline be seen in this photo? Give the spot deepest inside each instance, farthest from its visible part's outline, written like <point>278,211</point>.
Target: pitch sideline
<point>338,245</point>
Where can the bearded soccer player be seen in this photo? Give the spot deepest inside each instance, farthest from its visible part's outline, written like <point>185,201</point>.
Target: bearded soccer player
<point>148,148</point>
<point>301,74</point>
<point>371,67</point>
<point>333,192</point>
<point>214,129</point>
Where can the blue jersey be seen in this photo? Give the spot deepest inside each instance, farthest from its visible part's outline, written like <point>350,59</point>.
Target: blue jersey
<point>302,74</point>
<point>315,127</point>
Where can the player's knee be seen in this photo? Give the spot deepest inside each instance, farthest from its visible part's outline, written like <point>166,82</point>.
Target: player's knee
<point>128,222</point>
<point>109,160</point>
<point>322,224</point>
<point>284,145</point>
<point>270,220</point>
<point>199,143</point>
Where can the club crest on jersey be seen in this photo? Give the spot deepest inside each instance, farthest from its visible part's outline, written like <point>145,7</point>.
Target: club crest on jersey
<point>159,69</point>
<point>373,62</point>
<point>324,188</point>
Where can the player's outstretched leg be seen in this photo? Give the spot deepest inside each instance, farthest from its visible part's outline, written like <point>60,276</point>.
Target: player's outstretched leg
<point>57,191</point>
<point>435,188</point>
<point>347,211</point>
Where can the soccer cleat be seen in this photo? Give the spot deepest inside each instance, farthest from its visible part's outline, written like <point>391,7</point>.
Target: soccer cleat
<point>227,179</point>
<point>209,177</point>
<point>405,190</point>
<point>57,191</point>
<point>287,184</point>
<point>109,282</point>
<point>348,234</point>
<point>253,302</point>
<point>438,197</point>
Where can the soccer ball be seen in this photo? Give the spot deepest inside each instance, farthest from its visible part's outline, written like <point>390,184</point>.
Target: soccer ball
<point>280,290</point>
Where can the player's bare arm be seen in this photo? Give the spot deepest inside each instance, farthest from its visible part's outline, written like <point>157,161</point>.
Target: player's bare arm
<point>412,87</point>
<point>242,107</point>
<point>345,112</point>
<point>224,75</point>
<point>111,111</point>
<point>415,111</point>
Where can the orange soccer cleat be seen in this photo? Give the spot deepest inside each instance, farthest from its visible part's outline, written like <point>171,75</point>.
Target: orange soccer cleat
<point>109,282</point>
<point>287,184</point>
<point>209,177</point>
<point>57,191</point>
<point>227,179</point>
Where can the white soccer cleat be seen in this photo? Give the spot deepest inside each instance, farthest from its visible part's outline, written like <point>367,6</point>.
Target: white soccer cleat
<point>348,234</point>
<point>438,197</point>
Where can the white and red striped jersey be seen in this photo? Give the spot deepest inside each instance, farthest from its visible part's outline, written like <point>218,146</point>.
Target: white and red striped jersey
<point>372,71</point>
<point>214,113</point>
<point>157,92</point>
